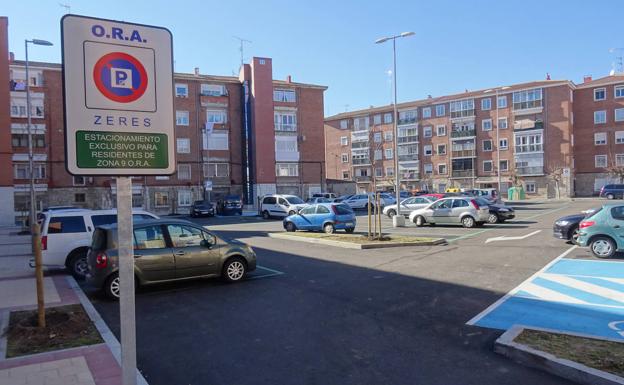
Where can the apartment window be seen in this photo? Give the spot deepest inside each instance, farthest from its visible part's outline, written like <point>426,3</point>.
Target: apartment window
<point>462,108</point>
<point>600,117</point>
<point>529,143</point>
<point>21,140</point>
<point>530,187</point>
<point>502,123</point>
<point>377,119</point>
<point>345,175</point>
<point>600,94</point>
<point>387,117</point>
<point>527,99</point>
<point>360,123</point>
<point>441,130</point>
<point>600,161</point>
<point>212,90</point>
<point>287,169</point>
<point>183,145</point>
<point>388,153</point>
<point>428,168</point>
<point>619,114</point>
<point>79,181</point>
<point>161,199</point>
<point>441,149</point>
<point>80,198</point>
<point>285,147</point>
<point>285,121</point>
<point>182,118</point>
<point>408,117</point>
<point>344,140</point>
<point>442,168</point>
<point>344,124</point>
<point>389,171</point>
<point>600,138</point>
<point>619,91</point>
<point>379,172</point>
<point>378,154</point>
<point>487,145</point>
<point>486,104</point>
<point>501,101</point>
<point>503,144</point>
<point>440,110</point>
<point>21,171</point>
<point>427,132</point>
<point>216,116</point>
<point>181,90</point>
<point>216,170</point>
<point>377,137</point>
<point>487,166</point>
<point>426,112</point>
<point>503,165</point>
<point>184,171</point>
<point>428,149</point>
<point>184,198</point>
<point>619,137</point>
<point>388,135</point>
<point>486,124</point>
<point>216,140</point>
<point>344,158</point>
<point>284,96</point>
<point>619,159</point>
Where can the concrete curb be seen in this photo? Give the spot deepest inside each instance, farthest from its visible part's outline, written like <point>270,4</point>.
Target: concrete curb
<point>107,335</point>
<point>547,362</point>
<point>348,245</point>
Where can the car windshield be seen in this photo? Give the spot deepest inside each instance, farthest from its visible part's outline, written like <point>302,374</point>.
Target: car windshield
<point>293,200</point>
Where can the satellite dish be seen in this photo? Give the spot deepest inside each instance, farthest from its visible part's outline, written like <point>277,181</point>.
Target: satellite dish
<point>612,72</point>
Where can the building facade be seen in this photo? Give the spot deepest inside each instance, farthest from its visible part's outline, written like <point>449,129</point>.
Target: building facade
<point>524,133</point>
<point>248,135</point>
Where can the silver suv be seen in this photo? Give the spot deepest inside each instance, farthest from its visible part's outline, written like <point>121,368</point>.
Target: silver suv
<point>467,211</point>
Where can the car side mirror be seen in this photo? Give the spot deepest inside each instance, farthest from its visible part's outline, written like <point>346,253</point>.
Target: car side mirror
<point>209,241</point>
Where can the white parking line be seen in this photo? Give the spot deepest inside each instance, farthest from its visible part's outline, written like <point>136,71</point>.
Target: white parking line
<point>272,273</point>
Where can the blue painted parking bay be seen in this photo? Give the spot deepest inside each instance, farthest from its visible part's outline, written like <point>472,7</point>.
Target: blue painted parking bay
<point>575,295</point>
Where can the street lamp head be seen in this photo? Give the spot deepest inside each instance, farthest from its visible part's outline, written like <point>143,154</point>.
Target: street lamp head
<point>382,40</point>
<point>406,34</point>
<point>40,42</point>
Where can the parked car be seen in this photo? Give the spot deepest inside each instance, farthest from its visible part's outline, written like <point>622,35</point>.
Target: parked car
<point>388,198</point>
<point>312,201</point>
<point>360,201</point>
<point>567,227</point>
<point>327,217</point>
<point>499,213</point>
<point>278,205</point>
<point>41,215</point>
<point>342,198</point>
<point>324,195</point>
<point>408,205</point>
<point>612,191</point>
<point>230,205</point>
<point>603,231</point>
<point>457,210</point>
<point>202,208</point>
<point>66,235</point>
<point>167,250</point>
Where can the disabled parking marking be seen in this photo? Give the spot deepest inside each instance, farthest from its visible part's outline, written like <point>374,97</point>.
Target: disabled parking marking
<point>583,296</point>
<point>270,273</point>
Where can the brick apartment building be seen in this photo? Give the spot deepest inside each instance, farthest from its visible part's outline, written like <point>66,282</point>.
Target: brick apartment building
<point>547,133</point>
<point>249,135</point>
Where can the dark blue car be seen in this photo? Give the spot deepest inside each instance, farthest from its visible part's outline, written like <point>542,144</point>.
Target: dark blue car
<point>327,217</point>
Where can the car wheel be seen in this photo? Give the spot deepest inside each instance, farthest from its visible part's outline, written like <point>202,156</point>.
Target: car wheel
<point>111,287</point>
<point>292,212</point>
<point>468,222</point>
<point>493,218</point>
<point>290,227</point>
<point>329,228</point>
<point>391,213</point>
<point>419,220</point>
<point>78,265</point>
<point>573,234</point>
<point>350,230</point>
<point>610,196</point>
<point>234,269</point>
<point>602,247</point>
<point>265,214</point>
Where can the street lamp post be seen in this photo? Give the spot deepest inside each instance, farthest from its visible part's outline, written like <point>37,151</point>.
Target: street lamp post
<point>34,226</point>
<point>498,175</point>
<point>397,220</point>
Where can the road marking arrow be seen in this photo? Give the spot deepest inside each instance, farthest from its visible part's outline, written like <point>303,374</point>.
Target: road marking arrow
<point>496,239</point>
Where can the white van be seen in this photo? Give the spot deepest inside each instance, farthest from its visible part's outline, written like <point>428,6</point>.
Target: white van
<point>277,205</point>
<point>66,236</point>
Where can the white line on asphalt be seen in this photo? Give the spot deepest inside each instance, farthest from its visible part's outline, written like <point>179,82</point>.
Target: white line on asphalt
<point>273,273</point>
<point>585,286</point>
<point>496,239</point>
<point>513,291</point>
<point>550,295</point>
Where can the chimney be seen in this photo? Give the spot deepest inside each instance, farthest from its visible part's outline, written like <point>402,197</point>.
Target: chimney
<point>196,71</point>
<point>289,79</point>
<point>11,57</point>
<point>547,76</point>
<point>587,78</point>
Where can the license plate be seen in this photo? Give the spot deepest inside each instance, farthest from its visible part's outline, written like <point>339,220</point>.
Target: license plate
<point>349,224</point>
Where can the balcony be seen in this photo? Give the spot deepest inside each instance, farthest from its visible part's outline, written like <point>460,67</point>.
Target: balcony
<point>408,157</point>
<point>407,139</point>
<point>362,178</point>
<point>406,121</point>
<point>462,114</point>
<point>462,173</point>
<point>528,148</point>
<point>463,153</point>
<point>360,162</point>
<point>463,133</point>
<point>359,144</point>
<point>411,175</point>
<point>528,124</point>
<point>533,170</point>
<point>284,127</point>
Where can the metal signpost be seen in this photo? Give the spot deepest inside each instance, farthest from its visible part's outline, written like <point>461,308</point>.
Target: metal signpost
<point>119,121</point>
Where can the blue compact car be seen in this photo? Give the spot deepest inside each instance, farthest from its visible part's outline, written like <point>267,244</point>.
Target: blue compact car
<point>327,217</point>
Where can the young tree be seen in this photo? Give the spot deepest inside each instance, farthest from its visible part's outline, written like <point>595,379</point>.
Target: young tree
<point>555,173</point>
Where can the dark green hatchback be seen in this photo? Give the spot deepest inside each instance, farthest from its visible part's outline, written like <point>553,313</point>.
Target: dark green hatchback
<point>167,250</point>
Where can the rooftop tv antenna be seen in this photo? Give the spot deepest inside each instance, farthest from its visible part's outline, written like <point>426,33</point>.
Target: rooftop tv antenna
<point>242,47</point>
<point>618,65</point>
<point>66,6</point>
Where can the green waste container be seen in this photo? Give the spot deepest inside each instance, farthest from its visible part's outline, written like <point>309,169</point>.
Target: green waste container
<point>516,194</point>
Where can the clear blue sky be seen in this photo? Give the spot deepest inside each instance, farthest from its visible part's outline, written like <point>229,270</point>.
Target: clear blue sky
<point>458,44</point>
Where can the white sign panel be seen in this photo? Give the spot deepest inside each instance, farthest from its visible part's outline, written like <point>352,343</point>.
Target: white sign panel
<point>118,83</point>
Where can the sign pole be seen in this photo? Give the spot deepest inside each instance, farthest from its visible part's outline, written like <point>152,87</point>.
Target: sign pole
<point>126,281</point>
